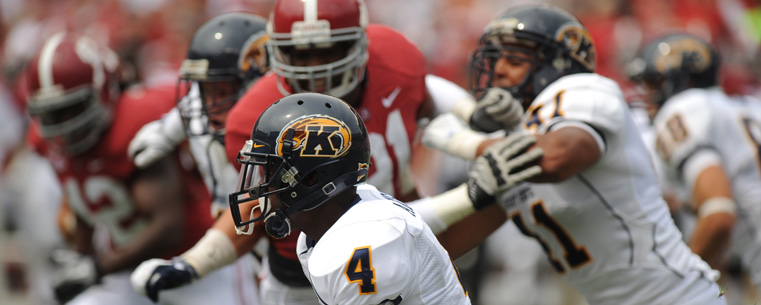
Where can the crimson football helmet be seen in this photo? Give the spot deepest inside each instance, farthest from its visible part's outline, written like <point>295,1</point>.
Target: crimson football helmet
<point>319,24</point>
<point>560,43</point>
<point>673,63</point>
<point>309,147</point>
<point>73,85</point>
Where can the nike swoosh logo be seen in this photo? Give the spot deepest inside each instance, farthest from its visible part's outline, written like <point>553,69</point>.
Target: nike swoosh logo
<point>387,101</point>
<point>258,145</point>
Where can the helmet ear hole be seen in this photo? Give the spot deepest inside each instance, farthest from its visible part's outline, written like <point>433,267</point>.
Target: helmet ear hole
<point>310,180</point>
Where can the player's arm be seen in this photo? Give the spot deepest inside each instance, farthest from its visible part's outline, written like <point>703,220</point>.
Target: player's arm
<point>469,207</point>
<point>219,247</point>
<point>156,191</point>
<point>712,197</point>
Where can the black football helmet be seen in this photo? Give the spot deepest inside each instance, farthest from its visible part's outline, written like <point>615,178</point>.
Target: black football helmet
<point>229,48</point>
<point>562,46</point>
<point>673,63</point>
<point>308,147</point>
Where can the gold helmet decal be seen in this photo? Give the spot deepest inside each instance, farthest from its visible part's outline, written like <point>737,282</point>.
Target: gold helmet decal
<point>254,53</point>
<point>670,55</point>
<point>316,135</point>
<point>578,41</point>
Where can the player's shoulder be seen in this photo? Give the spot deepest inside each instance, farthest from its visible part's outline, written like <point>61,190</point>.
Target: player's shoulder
<point>583,83</point>
<point>136,107</point>
<point>390,49</point>
<point>375,219</point>
<point>246,111</point>
<point>585,97</point>
<point>263,92</point>
<point>692,104</point>
<point>242,117</point>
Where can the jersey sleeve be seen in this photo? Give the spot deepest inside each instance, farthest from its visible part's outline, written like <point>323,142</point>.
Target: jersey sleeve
<point>363,268</point>
<point>591,102</point>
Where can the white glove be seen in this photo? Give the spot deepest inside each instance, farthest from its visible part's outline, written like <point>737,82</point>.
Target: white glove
<point>450,134</point>
<point>157,139</point>
<point>503,165</point>
<point>497,110</point>
<point>156,274</point>
<point>74,274</point>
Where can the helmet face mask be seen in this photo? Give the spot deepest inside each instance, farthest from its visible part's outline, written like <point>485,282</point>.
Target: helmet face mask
<point>489,58</point>
<point>560,43</point>
<point>217,98</point>
<point>304,150</point>
<point>335,28</point>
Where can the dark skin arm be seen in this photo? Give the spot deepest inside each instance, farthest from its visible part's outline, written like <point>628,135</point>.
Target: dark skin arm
<point>567,151</point>
<point>472,231</point>
<point>83,237</point>
<point>155,192</point>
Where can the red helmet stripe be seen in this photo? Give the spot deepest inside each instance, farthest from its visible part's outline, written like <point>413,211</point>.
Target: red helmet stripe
<point>45,63</point>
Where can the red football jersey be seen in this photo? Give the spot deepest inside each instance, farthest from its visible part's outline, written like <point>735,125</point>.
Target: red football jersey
<point>97,183</point>
<point>394,91</point>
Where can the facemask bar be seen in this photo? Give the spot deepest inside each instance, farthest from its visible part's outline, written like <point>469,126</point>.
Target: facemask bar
<point>251,188</point>
<point>351,67</point>
<point>482,68</point>
<point>78,133</point>
<point>191,109</point>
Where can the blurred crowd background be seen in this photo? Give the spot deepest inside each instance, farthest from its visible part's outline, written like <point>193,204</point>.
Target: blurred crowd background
<point>152,36</point>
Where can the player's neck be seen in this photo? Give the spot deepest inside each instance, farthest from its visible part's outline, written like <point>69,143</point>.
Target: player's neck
<point>322,218</point>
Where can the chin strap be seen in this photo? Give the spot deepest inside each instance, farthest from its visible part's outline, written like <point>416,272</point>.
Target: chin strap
<point>277,224</point>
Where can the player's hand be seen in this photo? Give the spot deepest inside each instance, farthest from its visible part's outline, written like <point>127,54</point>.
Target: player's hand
<point>450,134</point>
<point>156,274</point>
<point>496,110</point>
<point>157,139</point>
<point>74,274</point>
<point>503,165</point>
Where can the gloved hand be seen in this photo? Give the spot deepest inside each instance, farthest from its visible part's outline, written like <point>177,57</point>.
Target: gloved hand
<point>496,110</point>
<point>450,134</point>
<point>74,274</point>
<point>157,139</point>
<point>156,274</point>
<point>503,165</point>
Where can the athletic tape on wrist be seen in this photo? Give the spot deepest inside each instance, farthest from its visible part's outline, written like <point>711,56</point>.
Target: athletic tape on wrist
<point>213,251</point>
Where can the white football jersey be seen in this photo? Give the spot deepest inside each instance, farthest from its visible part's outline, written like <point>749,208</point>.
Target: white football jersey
<point>380,252</point>
<point>218,173</point>
<point>707,120</point>
<point>607,230</point>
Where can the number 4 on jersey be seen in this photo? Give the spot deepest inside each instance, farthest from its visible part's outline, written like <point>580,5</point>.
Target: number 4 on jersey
<point>360,269</point>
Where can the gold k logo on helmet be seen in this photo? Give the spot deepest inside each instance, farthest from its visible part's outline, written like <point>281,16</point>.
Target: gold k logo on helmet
<point>671,55</point>
<point>579,43</point>
<point>316,135</point>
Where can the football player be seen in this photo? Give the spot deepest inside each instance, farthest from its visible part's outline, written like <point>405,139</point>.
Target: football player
<point>125,215</point>
<point>357,245</point>
<point>595,207</point>
<point>324,46</point>
<point>225,56</point>
<point>708,145</point>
